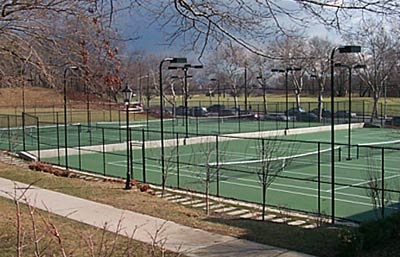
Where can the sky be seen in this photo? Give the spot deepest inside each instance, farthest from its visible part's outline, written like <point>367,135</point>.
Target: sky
<point>150,38</point>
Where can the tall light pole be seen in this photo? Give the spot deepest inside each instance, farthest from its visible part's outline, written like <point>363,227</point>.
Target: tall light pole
<point>245,88</point>
<point>261,80</point>
<point>286,71</point>
<point>350,68</point>
<point>219,106</point>
<point>66,70</point>
<point>341,49</point>
<point>170,60</point>
<point>185,69</point>
<point>128,93</point>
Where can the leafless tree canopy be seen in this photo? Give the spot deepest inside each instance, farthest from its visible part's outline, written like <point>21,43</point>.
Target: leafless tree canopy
<point>39,38</point>
<point>249,23</point>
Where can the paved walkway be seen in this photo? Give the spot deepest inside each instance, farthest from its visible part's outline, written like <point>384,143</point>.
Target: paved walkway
<point>179,238</point>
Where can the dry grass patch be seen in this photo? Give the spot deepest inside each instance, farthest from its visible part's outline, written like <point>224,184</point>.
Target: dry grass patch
<point>321,242</point>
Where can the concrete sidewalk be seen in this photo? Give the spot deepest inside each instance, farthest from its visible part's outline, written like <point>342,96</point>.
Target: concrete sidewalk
<point>178,238</point>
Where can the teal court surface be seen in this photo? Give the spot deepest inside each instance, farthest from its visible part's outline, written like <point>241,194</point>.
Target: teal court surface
<point>51,136</point>
<point>297,167</point>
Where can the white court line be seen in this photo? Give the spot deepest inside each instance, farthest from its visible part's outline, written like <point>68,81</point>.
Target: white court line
<point>184,174</point>
<point>286,191</point>
<point>365,182</point>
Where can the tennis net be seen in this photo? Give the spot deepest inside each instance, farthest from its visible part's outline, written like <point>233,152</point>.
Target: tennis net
<point>281,162</point>
<point>375,148</point>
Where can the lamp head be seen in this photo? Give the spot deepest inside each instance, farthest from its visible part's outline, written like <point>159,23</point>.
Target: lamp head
<point>277,70</point>
<point>128,93</point>
<point>349,49</point>
<point>360,66</point>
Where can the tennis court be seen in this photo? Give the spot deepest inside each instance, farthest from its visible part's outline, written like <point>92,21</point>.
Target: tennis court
<point>52,136</point>
<point>232,166</point>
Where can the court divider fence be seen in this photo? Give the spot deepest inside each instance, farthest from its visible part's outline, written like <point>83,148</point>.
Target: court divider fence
<point>296,173</point>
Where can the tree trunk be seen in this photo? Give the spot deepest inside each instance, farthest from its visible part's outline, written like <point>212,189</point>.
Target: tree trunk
<point>264,195</point>
<point>320,102</point>
<point>374,114</point>
<point>265,100</point>
<point>298,102</point>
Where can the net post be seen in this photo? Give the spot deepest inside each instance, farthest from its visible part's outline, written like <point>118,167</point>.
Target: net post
<point>340,154</point>
<point>58,138</point>
<point>383,182</point>
<point>177,160</point>
<point>38,137</point>
<point>79,148</point>
<point>104,151</point>
<point>358,151</point>
<point>143,156</point>
<point>217,161</point>
<point>319,178</point>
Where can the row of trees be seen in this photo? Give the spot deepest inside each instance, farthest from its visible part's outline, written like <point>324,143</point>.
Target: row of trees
<point>235,71</point>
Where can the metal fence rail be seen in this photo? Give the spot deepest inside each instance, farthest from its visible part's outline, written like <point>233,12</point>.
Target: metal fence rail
<point>366,186</point>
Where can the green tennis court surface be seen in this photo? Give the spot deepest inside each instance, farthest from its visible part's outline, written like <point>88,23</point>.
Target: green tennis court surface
<point>232,166</point>
<point>52,136</point>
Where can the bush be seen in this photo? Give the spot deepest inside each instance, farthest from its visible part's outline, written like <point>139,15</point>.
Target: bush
<point>375,233</point>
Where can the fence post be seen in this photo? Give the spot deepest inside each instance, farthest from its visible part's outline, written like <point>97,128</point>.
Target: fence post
<point>143,156</point>
<point>217,161</point>
<point>131,159</point>
<point>9,132</point>
<point>259,118</point>
<point>23,131</point>
<point>177,160</point>
<point>38,137</point>
<point>110,112</point>
<point>54,114</point>
<point>119,125</point>
<point>319,179</point>
<point>383,182</point>
<point>58,139</point>
<point>104,151</point>
<point>239,118</point>
<point>363,108</point>
<point>79,148</point>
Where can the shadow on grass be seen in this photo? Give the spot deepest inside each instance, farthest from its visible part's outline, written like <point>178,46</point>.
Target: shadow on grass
<point>322,241</point>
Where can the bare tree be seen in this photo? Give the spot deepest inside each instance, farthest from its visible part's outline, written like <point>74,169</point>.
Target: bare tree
<point>231,63</point>
<point>41,37</point>
<point>318,67</point>
<point>374,181</point>
<point>249,23</point>
<point>380,55</point>
<point>274,157</point>
<point>210,170</point>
